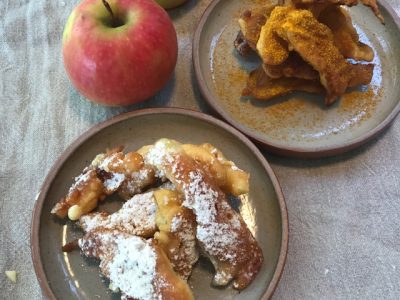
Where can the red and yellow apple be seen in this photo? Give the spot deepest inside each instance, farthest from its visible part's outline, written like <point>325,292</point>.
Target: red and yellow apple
<point>119,52</point>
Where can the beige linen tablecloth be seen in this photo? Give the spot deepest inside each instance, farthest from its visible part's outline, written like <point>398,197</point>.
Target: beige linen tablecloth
<point>344,212</point>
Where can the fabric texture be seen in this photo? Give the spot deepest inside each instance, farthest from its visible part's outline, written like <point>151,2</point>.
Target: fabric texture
<point>344,211</point>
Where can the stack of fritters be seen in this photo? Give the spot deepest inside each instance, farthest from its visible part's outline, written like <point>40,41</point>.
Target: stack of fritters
<point>148,248</point>
<point>304,45</point>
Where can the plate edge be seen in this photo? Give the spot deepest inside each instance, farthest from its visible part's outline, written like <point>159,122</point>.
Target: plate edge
<point>37,210</point>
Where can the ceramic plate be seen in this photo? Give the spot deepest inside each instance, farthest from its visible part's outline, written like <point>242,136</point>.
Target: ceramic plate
<point>299,124</point>
<point>70,276</point>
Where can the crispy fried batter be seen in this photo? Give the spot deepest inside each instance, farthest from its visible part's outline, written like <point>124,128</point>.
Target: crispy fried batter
<point>177,231</point>
<point>309,3</point>
<point>294,66</point>
<point>241,44</point>
<point>327,12</point>
<point>137,216</point>
<point>125,257</point>
<point>374,6</point>
<point>109,172</point>
<point>318,5</point>
<point>272,49</point>
<point>251,21</point>
<point>262,87</point>
<point>314,42</point>
<point>221,232</point>
<point>360,74</point>
<point>306,40</point>
<point>231,179</point>
<point>344,34</point>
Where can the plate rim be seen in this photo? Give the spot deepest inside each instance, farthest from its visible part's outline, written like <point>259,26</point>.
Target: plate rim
<point>42,195</point>
<point>297,151</point>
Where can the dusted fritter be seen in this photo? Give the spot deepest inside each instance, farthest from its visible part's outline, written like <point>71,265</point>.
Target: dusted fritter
<point>262,87</point>
<point>177,231</point>
<point>108,173</point>
<point>135,266</point>
<point>137,216</point>
<point>221,232</point>
<point>175,209</point>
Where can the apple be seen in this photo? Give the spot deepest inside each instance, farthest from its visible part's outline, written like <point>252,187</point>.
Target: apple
<point>167,4</point>
<point>119,52</point>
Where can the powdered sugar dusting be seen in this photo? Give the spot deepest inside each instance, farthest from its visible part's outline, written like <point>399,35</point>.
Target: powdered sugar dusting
<point>111,161</point>
<point>113,183</point>
<point>127,260</point>
<point>141,175</point>
<point>98,160</point>
<point>176,222</point>
<point>132,269</point>
<point>168,186</point>
<point>90,221</point>
<point>216,238</point>
<point>159,154</point>
<point>186,255</point>
<point>136,179</point>
<point>136,216</point>
<point>235,168</point>
<point>156,154</point>
<point>80,180</point>
<point>201,198</point>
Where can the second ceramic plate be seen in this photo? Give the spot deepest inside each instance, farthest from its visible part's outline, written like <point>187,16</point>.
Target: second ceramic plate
<point>299,124</point>
<point>70,276</point>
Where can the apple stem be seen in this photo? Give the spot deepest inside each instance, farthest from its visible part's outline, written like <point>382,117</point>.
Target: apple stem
<point>108,7</point>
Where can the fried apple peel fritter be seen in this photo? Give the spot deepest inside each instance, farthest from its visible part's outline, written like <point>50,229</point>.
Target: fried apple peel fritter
<point>294,66</point>
<point>312,4</point>
<point>315,44</point>
<point>262,87</point>
<point>317,6</point>
<point>305,40</point>
<point>252,20</point>
<point>303,3</point>
<point>273,49</point>
<point>374,7</point>
<point>361,74</point>
<point>344,34</point>
<point>242,46</point>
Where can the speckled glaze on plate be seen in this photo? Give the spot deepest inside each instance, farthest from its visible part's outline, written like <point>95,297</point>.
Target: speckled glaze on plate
<point>71,276</point>
<point>298,124</point>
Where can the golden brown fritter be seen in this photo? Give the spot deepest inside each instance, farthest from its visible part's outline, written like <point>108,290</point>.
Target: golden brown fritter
<point>177,231</point>
<point>221,232</point>
<point>305,40</point>
<point>361,74</point>
<point>345,35</point>
<point>318,5</point>
<point>262,87</point>
<point>108,173</point>
<point>374,6</point>
<point>252,20</point>
<point>273,49</point>
<point>137,267</point>
<point>294,66</point>
<point>314,42</point>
